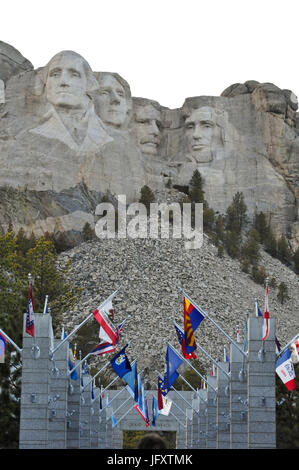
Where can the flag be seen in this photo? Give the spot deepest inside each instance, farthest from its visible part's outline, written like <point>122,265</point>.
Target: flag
<point>132,382</point>
<point>103,348</point>
<point>160,398</point>
<point>246,336</point>
<point>113,420</point>
<point>181,338</point>
<point>141,407</point>
<point>295,351</point>
<point>46,306</point>
<point>3,344</point>
<point>102,317</point>
<point>155,410</point>
<point>213,370</point>
<point>192,318</point>
<point>30,313</point>
<point>92,391</point>
<point>285,370</point>
<point>119,331</point>
<point>166,406</point>
<point>173,362</point>
<point>101,399</point>
<point>162,386</point>
<point>258,313</point>
<point>238,336</point>
<point>277,346</point>
<point>120,363</point>
<point>71,363</point>
<point>266,323</point>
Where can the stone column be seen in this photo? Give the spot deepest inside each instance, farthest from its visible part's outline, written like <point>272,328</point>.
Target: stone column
<point>238,400</point>
<point>57,431</point>
<point>223,408</point>
<point>189,422</point>
<point>34,419</point>
<point>261,386</point>
<point>73,412</point>
<point>202,419</point>
<point>195,422</point>
<point>85,413</point>
<point>211,428</point>
<point>102,427</point>
<point>95,419</point>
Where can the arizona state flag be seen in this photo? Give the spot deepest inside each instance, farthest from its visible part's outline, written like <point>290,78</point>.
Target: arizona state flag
<point>192,318</point>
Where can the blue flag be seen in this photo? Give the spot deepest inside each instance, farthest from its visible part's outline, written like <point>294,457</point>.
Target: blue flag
<point>173,362</point>
<point>155,410</point>
<point>120,363</point>
<point>132,381</point>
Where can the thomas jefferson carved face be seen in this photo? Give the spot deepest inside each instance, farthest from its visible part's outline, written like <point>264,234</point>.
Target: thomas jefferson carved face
<point>146,129</point>
<point>66,83</point>
<point>111,102</point>
<point>202,133</point>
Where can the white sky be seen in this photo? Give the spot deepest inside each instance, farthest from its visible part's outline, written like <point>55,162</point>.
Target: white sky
<point>166,49</point>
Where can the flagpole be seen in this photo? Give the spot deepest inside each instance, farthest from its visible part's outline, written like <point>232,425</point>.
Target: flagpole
<point>287,345</point>
<point>11,341</point>
<point>115,396</point>
<point>52,352</point>
<point>195,370</point>
<point>108,362</point>
<point>123,403</point>
<point>174,402</point>
<point>79,363</point>
<point>213,321</point>
<point>213,360</point>
<point>176,391</point>
<point>46,304</point>
<point>197,393</point>
<point>127,412</point>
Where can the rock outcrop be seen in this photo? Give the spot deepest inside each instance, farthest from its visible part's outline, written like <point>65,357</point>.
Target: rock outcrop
<point>70,136</point>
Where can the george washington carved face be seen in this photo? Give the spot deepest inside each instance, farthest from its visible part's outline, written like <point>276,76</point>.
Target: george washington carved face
<point>67,81</point>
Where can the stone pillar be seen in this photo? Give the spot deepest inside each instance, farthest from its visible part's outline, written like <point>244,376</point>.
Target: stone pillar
<point>202,419</point>
<point>211,429</point>
<point>195,422</point>
<point>95,419</point>
<point>189,422</point>
<point>57,431</point>
<point>34,419</point>
<point>223,408</point>
<point>85,413</point>
<point>181,437</point>
<point>73,412</point>
<point>102,429</point>
<point>117,438</point>
<point>261,386</point>
<point>238,400</point>
<point>108,434</point>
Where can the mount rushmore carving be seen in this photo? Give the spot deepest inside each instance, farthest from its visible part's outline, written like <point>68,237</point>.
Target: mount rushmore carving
<point>69,135</point>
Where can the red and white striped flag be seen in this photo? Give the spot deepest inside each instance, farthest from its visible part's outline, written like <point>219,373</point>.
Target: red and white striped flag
<point>102,318</point>
<point>30,313</point>
<point>266,324</point>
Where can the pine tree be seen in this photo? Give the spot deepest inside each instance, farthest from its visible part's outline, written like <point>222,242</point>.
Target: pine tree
<point>283,251</point>
<point>250,249</point>
<point>282,292</point>
<point>196,192</point>
<point>146,197</point>
<point>88,232</point>
<point>236,214</point>
<point>261,226</point>
<point>296,261</point>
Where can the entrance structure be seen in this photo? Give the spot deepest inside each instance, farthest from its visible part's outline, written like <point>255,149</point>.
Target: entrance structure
<point>235,410</point>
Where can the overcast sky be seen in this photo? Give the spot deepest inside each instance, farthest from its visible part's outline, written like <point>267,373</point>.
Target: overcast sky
<point>166,49</point>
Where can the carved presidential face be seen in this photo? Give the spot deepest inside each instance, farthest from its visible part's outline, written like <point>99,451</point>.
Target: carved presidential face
<point>203,134</point>
<point>66,82</point>
<point>147,129</point>
<point>111,103</point>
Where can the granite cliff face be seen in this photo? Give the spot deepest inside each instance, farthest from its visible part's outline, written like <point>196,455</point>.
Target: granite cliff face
<point>70,135</point>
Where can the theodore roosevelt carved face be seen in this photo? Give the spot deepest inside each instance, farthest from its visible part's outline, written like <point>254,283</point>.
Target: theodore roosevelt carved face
<point>203,134</point>
<point>147,128</point>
